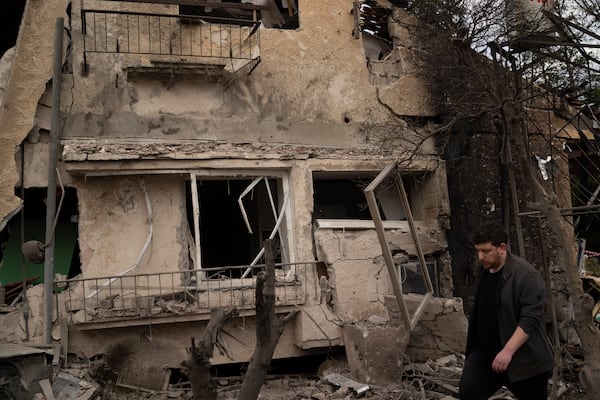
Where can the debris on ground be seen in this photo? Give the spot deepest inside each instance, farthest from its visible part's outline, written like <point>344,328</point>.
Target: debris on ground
<point>89,380</point>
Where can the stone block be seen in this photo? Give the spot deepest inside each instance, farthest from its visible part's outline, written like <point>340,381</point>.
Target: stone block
<point>375,353</point>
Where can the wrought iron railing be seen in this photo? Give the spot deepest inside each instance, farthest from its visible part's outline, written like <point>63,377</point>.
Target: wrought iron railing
<point>171,37</point>
<point>177,293</point>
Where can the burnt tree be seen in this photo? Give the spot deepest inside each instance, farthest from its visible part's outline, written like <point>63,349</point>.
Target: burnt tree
<point>198,362</point>
<point>268,327</point>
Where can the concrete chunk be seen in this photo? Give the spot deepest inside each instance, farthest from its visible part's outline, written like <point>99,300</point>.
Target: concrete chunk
<point>375,353</point>
<point>315,329</point>
<point>441,331</point>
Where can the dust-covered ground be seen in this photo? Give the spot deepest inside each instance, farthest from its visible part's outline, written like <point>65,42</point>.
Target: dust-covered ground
<point>435,379</point>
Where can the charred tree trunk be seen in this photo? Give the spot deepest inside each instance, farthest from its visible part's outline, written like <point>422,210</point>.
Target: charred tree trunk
<point>198,362</point>
<point>268,327</point>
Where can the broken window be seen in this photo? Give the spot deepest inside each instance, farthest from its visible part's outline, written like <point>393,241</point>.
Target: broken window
<point>66,249</point>
<point>411,274</point>
<point>373,20</point>
<point>230,218</point>
<point>282,14</point>
<point>341,196</point>
<point>383,58</point>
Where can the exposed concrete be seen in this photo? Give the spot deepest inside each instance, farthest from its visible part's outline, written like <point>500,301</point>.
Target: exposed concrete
<point>31,69</point>
<point>175,338</point>
<point>14,328</point>
<point>317,326</point>
<point>375,352</point>
<point>415,96</point>
<point>356,268</point>
<point>148,149</point>
<point>441,331</point>
<point>36,165</point>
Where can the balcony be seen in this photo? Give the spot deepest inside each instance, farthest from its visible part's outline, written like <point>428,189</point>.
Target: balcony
<point>127,300</point>
<point>172,42</point>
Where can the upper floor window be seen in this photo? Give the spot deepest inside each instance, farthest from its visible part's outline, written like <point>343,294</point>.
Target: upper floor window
<point>282,14</point>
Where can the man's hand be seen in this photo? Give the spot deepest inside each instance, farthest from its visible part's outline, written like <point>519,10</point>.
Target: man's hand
<point>502,361</point>
<point>505,356</point>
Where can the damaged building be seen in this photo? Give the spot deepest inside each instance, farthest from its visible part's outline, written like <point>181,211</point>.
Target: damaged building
<point>189,132</point>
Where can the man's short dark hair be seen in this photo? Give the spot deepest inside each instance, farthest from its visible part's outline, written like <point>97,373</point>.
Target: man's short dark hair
<point>490,232</point>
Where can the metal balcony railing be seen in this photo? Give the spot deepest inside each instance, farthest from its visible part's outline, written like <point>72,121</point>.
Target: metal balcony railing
<point>171,38</point>
<point>176,293</point>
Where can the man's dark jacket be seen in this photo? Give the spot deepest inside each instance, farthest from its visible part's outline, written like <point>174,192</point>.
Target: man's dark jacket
<point>521,300</point>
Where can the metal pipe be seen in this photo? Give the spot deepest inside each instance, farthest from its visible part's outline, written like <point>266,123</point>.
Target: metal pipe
<point>51,193</point>
<point>23,267</point>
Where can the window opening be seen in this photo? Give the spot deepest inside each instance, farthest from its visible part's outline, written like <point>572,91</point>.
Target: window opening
<point>411,277</point>
<point>342,197</point>
<point>278,217</point>
<point>281,14</point>
<point>234,216</point>
<point>66,248</point>
<point>339,198</point>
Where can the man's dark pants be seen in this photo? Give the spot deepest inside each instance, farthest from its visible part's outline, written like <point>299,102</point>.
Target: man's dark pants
<point>480,382</point>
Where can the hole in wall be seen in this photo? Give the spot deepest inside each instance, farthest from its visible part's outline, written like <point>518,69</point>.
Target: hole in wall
<point>11,13</point>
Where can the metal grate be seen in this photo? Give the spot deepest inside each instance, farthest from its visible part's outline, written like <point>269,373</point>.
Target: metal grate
<point>178,293</point>
<point>171,37</point>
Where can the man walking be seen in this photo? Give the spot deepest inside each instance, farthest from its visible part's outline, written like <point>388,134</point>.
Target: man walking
<point>506,342</point>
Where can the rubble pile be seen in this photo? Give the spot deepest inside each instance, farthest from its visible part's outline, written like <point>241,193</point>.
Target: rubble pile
<point>89,380</point>
<point>41,376</point>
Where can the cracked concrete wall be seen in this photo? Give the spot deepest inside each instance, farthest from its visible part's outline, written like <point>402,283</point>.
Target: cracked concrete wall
<point>309,80</point>
<point>31,69</point>
<point>413,93</point>
<point>311,89</point>
<point>357,271</point>
<point>114,224</point>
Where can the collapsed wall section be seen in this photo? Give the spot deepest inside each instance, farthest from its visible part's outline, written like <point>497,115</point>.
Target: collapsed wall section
<point>24,88</point>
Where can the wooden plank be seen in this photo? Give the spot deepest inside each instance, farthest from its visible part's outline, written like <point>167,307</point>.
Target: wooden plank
<point>46,389</point>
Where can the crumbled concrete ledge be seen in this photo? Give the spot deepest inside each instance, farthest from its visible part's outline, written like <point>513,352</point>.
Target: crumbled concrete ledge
<point>441,331</point>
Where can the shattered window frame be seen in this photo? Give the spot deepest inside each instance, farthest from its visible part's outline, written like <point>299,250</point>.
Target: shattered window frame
<point>388,202</point>
<point>282,203</point>
<point>285,18</point>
